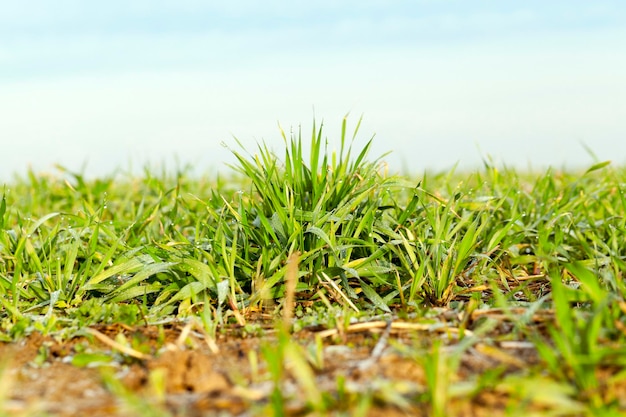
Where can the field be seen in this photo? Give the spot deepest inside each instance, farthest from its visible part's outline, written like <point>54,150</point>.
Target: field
<point>314,282</point>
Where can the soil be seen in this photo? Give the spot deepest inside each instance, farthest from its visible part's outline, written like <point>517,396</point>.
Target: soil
<point>190,377</point>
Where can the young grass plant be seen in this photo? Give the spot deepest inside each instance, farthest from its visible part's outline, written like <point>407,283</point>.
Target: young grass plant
<point>325,209</point>
<point>578,353</point>
<point>283,357</point>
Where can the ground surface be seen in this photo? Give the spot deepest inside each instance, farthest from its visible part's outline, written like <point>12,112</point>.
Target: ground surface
<point>185,375</point>
<point>314,285</point>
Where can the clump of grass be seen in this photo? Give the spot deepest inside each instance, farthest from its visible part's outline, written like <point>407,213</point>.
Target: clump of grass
<point>325,209</point>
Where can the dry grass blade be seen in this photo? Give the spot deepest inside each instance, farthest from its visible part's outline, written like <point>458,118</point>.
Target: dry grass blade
<point>501,314</point>
<point>117,346</point>
<point>500,355</point>
<point>291,281</point>
<point>336,292</point>
<point>395,325</point>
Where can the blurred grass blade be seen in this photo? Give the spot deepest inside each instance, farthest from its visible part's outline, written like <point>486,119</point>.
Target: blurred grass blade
<point>597,166</point>
<point>373,296</point>
<point>589,281</point>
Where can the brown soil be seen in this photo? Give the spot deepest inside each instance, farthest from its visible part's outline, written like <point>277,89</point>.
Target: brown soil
<point>190,377</point>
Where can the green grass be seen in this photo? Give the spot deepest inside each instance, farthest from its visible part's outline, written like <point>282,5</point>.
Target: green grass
<point>75,252</point>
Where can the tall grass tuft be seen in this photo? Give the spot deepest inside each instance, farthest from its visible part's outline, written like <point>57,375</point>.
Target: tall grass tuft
<point>322,204</point>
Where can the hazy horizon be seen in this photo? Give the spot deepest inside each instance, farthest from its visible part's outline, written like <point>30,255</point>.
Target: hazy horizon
<point>439,84</point>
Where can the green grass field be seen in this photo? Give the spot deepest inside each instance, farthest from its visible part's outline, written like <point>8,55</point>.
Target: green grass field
<point>495,292</point>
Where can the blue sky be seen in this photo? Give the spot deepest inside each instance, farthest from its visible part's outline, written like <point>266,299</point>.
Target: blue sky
<point>107,84</point>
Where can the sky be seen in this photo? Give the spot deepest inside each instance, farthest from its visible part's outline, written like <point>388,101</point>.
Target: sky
<point>104,87</point>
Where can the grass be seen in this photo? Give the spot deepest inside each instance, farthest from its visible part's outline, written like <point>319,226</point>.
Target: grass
<point>320,239</point>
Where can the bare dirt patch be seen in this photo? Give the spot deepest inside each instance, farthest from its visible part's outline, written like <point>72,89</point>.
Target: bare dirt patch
<point>191,377</point>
